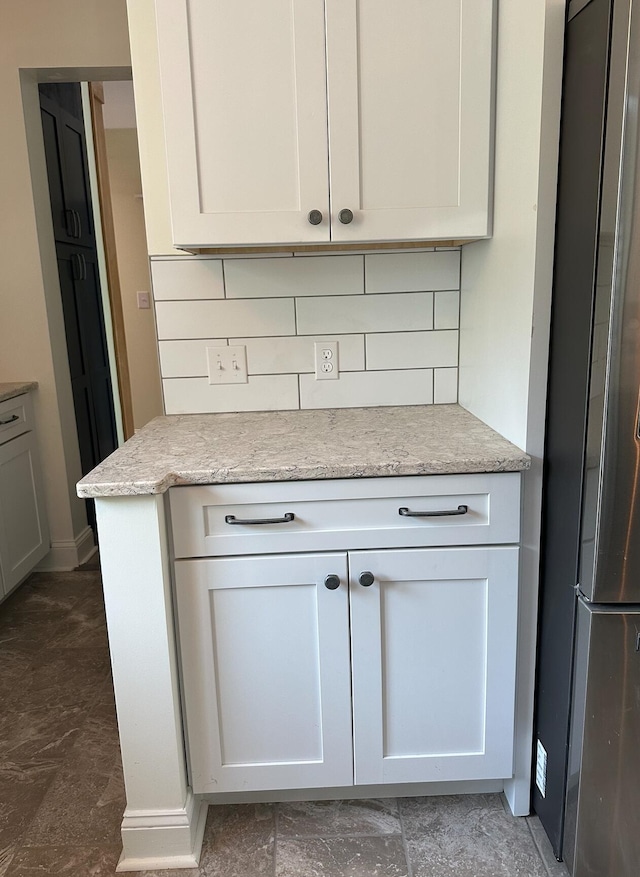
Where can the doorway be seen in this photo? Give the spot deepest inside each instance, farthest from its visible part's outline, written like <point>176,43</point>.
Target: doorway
<point>77,260</point>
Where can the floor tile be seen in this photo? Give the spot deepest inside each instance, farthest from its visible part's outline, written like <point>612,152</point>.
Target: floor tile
<point>65,862</point>
<point>341,857</point>
<point>22,789</point>
<point>7,853</point>
<point>14,663</point>
<point>41,732</point>
<point>61,677</point>
<point>79,809</point>
<point>327,818</point>
<point>239,841</point>
<point>96,748</point>
<point>48,595</point>
<point>543,844</point>
<point>467,836</point>
<point>28,632</point>
<point>84,626</point>
<point>62,795</point>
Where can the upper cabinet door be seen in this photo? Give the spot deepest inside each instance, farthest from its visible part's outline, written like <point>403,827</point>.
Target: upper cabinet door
<point>244,100</point>
<point>410,117</point>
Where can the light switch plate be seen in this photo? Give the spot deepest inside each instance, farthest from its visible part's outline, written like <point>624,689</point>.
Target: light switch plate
<point>227,365</point>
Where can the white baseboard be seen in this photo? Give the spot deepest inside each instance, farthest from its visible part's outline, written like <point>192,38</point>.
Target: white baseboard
<point>69,554</point>
<point>163,839</point>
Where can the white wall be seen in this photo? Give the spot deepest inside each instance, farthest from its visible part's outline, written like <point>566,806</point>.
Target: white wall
<point>67,38</point>
<point>119,110</point>
<point>501,276</point>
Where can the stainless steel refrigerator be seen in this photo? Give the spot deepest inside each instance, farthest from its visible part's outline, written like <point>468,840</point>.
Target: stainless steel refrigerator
<point>587,733</point>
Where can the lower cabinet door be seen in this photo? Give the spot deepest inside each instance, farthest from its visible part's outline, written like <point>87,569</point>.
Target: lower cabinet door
<point>433,662</point>
<point>24,533</point>
<point>264,645</point>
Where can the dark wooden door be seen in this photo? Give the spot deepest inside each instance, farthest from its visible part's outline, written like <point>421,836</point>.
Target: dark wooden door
<point>88,355</point>
<point>71,209</point>
<point>65,151</point>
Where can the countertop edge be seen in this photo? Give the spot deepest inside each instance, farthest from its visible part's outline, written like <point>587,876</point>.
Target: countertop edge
<point>102,490</point>
<point>11,389</point>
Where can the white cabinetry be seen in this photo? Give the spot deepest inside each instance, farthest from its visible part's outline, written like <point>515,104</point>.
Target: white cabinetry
<point>276,108</point>
<point>265,658</point>
<point>278,660</point>
<point>433,662</point>
<point>24,534</point>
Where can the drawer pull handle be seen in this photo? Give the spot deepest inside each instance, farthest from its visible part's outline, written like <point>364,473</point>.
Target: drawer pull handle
<point>231,519</point>
<point>461,510</point>
<point>366,579</point>
<point>12,419</point>
<point>332,582</point>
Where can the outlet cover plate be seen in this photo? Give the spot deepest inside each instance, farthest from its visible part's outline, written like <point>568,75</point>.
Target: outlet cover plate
<point>326,360</point>
<point>227,365</point>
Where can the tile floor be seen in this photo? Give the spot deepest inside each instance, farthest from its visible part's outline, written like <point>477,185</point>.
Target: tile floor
<point>61,791</point>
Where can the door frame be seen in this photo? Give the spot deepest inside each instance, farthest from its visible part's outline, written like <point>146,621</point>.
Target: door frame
<point>93,97</point>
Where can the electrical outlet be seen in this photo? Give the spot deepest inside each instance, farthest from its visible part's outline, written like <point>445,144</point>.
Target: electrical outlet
<point>326,360</point>
<point>227,365</point>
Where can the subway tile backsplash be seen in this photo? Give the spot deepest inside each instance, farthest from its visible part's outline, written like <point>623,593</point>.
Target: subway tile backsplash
<point>395,317</point>
<point>293,277</point>
<point>187,279</point>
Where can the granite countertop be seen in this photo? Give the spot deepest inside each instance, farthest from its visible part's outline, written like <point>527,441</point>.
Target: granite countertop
<point>9,391</point>
<point>301,445</point>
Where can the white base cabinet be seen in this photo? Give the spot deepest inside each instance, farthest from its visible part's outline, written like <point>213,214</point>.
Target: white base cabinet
<point>433,644</point>
<point>277,686</point>
<point>24,532</point>
<point>362,667</point>
<point>267,673</point>
<point>265,663</point>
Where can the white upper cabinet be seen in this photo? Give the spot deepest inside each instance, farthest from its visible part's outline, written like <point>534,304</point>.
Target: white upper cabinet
<point>370,118</point>
<point>409,95</point>
<point>244,102</point>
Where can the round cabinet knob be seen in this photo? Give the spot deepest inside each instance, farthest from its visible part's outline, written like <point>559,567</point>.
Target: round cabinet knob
<point>315,217</point>
<point>366,579</point>
<point>345,216</point>
<point>332,582</point>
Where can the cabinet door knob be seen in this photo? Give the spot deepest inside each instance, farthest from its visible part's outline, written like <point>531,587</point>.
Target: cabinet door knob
<point>315,217</point>
<point>366,579</point>
<point>332,582</point>
<point>345,216</point>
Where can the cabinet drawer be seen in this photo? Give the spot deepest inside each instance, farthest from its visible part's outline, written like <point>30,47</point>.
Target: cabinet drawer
<point>345,514</point>
<point>16,417</point>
